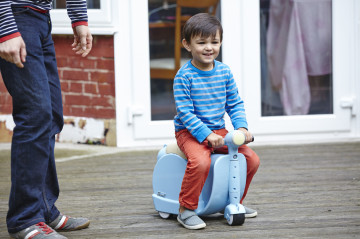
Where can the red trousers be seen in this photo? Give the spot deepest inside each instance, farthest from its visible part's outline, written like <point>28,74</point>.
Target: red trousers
<point>198,166</point>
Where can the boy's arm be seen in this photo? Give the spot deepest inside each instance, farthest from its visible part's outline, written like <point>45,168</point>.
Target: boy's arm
<point>215,140</point>
<point>235,105</point>
<point>185,109</point>
<point>248,135</point>
<point>235,109</point>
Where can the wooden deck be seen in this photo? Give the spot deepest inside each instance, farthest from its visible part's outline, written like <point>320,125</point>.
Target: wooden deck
<point>302,191</point>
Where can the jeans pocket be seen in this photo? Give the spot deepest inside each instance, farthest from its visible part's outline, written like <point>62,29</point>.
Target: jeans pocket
<point>19,10</point>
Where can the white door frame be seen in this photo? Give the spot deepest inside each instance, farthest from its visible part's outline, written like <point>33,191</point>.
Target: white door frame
<point>132,74</point>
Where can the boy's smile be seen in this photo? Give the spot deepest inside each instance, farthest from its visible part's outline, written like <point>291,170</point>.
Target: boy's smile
<point>204,50</point>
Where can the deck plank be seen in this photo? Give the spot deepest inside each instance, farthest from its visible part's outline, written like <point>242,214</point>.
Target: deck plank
<point>300,191</point>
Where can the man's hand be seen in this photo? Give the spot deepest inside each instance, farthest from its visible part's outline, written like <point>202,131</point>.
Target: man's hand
<point>249,136</point>
<point>215,140</point>
<point>14,51</point>
<point>82,40</point>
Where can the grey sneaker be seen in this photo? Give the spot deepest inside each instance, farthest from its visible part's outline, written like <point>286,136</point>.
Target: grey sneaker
<point>190,220</point>
<point>65,223</point>
<point>37,231</point>
<point>249,213</point>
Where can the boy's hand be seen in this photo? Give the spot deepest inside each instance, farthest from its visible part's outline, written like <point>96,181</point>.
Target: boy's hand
<point>249,136</point>
<point>215,140</point>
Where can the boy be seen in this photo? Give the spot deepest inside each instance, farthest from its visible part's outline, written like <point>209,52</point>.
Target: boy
<point>203,90</point>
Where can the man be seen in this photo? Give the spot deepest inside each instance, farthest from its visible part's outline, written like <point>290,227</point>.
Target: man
<point>29,70</point>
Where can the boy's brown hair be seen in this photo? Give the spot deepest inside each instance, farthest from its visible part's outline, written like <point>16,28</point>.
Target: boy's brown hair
<point>202,24</point>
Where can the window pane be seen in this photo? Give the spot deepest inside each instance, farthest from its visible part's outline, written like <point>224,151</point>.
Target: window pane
<point>91,4</point>
<point>296,57</point>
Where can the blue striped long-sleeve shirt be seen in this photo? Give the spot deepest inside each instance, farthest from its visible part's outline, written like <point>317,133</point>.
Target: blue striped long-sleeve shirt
<point>76,9</point>
<point>203,97</point>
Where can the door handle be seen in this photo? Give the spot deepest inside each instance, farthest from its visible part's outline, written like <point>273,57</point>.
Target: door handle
<point>349,102</point>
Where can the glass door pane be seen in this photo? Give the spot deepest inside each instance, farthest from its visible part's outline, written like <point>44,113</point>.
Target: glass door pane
<point>162,55</point>
<point>296,57</point>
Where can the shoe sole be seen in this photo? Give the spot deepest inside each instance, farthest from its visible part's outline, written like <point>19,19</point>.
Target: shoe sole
<point>250,215</point>
<point>195,227</point>
<point>83,226</point>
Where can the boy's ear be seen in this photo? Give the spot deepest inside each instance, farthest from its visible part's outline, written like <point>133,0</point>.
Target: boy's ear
<point>186,45</point>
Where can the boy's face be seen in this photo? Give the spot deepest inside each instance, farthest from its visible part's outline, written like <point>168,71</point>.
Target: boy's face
<point>203,50</point>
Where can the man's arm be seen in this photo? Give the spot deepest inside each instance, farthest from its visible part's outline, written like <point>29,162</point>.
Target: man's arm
<point>14,51</point>
<point>82,40</point>
<point>77,12</point>
<point>12,46</point>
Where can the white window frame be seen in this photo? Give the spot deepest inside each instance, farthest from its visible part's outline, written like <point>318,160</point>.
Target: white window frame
<point>102,21</point>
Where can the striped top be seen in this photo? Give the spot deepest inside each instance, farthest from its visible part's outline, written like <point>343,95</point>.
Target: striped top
<point>76,9</point>
<point>202,97</point>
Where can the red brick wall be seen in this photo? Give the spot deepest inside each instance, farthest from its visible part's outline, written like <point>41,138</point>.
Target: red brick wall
<point>88,84</point>
<point>5,99</point>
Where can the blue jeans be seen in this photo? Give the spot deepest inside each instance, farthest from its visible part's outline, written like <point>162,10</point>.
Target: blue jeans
<point>38,116</point>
